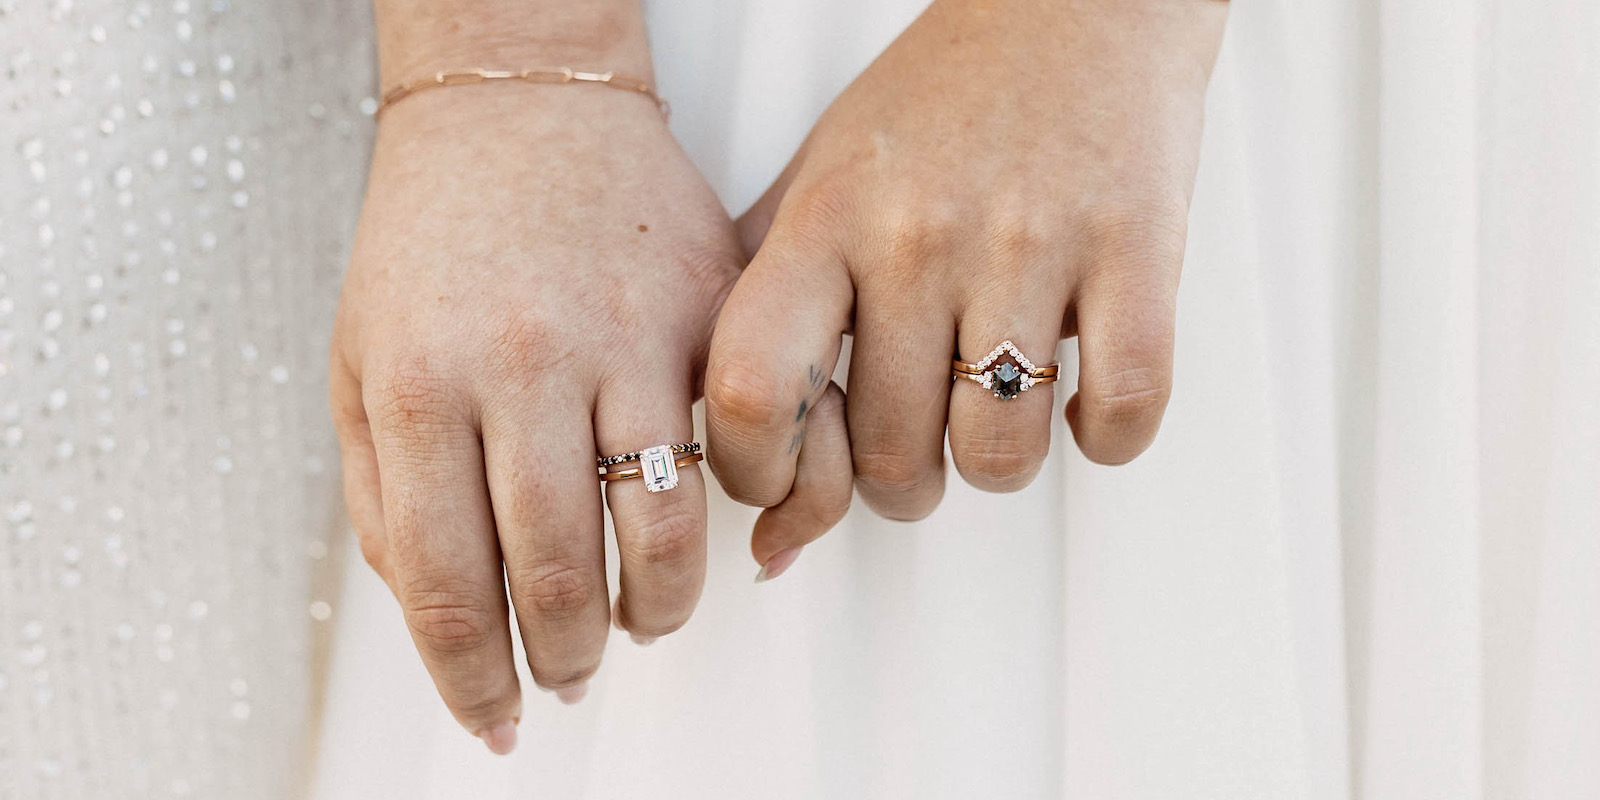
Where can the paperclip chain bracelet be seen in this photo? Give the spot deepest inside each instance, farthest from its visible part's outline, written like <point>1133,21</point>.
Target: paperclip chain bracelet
<point>462,77</point>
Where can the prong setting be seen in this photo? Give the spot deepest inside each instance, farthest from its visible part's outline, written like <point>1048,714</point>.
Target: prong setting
<point>1006,379</point>
<point>657,468</point>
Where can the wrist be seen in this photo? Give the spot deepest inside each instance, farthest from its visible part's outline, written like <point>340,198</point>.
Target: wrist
<point>417,38</point>
<point>513,126</point>
<point>1176,39</point>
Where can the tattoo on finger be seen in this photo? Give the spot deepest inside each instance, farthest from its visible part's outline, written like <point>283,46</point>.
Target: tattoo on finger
<point>816,379</point>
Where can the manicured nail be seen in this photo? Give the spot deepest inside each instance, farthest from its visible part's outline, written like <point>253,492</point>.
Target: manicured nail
<point>572,694</point>
<point>643,641</point>
<point>501,738</point>
<point>778,564</point>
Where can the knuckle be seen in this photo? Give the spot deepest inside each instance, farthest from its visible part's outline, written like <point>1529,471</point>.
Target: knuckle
<point>411,393</point>
<point>817,208</point>
<point>448,622</point>
<point>1132,395</point>
<point>1124,232</point>
<point>553,590</point>
<point>520,342</point>
<point>670,536</point>
<point>913,238</point>
<point>655,618</point>
<point>741,399</point>
<point>745,489</point>
<point>475,705</point>
<point>374,551</point>
<point>1000,464</point>
<point>659,626</point>
<point>892,470</point>
<point>941,219</point>
<point>808,222</point>
<point>821,196</point>
<point>1016,236</point>
<point>560,676</point>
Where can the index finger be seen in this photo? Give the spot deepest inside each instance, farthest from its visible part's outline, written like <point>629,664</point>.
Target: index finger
<point>774,350</point>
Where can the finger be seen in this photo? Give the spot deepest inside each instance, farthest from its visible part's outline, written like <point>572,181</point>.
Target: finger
<point>999,436</point>
<point>661,535</point>
<point>775,347</point>
<point>1126,311</point>
<point>363,497</point>
<point>898,402</point>
<point>442,545</point>
<point>539,455</point>
<point>821,493</point>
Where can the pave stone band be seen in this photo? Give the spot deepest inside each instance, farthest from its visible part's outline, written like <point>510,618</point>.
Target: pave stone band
<point>677,449</point>
<point>1006,379</point>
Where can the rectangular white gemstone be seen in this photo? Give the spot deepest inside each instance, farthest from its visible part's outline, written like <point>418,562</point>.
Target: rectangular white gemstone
<point>657,468</point>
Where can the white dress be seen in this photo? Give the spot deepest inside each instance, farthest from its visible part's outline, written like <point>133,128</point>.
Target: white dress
<point>1358,563</point>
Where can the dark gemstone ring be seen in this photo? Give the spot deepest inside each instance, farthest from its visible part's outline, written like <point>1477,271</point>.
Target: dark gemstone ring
<point>1005,371</point>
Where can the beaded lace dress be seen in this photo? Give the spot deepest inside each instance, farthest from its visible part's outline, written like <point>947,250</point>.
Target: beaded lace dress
<point>178,183</point>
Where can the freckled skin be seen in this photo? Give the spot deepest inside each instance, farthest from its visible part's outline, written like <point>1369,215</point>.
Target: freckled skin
<point>506,316</point>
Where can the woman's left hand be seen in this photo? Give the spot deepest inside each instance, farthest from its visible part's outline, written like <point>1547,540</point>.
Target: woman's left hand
<point>1016,170</point>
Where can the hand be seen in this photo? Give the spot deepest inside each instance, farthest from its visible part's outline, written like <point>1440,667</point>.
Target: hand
<point>1016,170</point>
<point>533,284</point>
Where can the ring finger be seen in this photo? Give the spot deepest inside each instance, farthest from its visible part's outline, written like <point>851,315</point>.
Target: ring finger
<point>661,535</point>
<point>1000,435</point>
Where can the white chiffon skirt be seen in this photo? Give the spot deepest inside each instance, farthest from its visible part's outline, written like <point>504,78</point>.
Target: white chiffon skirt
<point>1360,560</point>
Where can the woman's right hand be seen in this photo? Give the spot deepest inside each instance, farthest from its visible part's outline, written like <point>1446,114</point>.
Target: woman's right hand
<point>533,285</point>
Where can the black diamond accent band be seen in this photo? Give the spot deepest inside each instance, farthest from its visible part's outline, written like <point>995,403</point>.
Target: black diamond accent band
<point>682,448</point>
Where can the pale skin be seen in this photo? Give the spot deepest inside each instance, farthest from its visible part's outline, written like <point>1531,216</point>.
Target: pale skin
<point>532,261</point>
<point>533,284</point>
<point>1016,170</point>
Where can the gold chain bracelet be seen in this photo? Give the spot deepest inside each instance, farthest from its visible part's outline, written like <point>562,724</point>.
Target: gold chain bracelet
<point>460,77</point>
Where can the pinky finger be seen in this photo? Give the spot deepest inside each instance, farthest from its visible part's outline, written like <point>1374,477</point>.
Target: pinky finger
<point>363,495</point>
<point>820,496</point>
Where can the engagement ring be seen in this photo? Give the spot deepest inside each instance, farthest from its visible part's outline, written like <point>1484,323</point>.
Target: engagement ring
<point>656,465</point>
<point>1005,371</point>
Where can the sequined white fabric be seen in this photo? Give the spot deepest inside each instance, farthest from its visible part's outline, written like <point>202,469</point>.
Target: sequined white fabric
<point>178,182</point>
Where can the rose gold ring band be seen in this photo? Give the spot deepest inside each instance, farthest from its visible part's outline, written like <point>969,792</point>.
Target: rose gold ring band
<point>625,474</point>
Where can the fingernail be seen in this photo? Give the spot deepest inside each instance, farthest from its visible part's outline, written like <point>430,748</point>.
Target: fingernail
<point>572,694</point>
<point>501,738</point>
<point>778,564</point>
<point>643,641</point>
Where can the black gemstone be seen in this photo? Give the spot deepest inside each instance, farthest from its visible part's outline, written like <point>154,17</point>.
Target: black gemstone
<point>1006,381</point>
